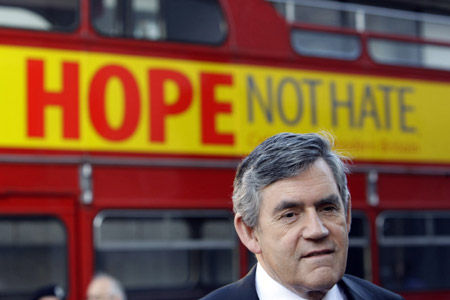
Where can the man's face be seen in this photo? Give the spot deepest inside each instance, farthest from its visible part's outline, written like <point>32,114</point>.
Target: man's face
<point>302,231</point>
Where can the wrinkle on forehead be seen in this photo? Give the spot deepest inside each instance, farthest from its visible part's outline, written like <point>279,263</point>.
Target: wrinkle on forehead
<point>316,178</point>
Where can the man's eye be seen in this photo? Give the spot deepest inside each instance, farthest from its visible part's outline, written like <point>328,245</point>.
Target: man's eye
<point>289,215</point>
<point>330,208</point>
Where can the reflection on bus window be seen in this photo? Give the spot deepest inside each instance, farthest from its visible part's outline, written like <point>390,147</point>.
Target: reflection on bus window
<point>196,21</point>
<point>414,250</point>
<point>393,52</point>
<point>324,44</point>
<point>193,252</point>
<point>39,15</point>
<point>35,251</point>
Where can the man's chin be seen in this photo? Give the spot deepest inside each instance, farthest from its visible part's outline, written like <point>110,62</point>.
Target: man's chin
<point>322,279</point>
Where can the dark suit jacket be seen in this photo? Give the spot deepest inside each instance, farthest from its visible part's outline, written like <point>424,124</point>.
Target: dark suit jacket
<point>353,287</point>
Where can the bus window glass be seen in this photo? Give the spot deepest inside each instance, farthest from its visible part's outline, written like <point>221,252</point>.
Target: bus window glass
<point>40,15</point>
<point>391,25</point>
<point>404,227</point>
<point>393,52</point>
<point>193,21</point>
<point>324,44</point>
<point>414,251</point>
<point>442,226</point>
<point>35,251</point>
<point>364,18</point>
<point>315,12</point>
<point>358,261</point>
<point>324,16</point>
<point>317,43</point>
<point>192,252</point>
<point>436,57</point>
<point>436,31</point>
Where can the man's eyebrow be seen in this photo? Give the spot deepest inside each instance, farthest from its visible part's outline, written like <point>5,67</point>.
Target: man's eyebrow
<point>331,199</point>
<point>286,204</point>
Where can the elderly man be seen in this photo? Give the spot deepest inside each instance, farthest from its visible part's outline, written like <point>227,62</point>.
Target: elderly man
<point>105,287</point>
<point>292,210</point>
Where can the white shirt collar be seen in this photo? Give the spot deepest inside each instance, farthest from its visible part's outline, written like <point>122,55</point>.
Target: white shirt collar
<point>268,288</point>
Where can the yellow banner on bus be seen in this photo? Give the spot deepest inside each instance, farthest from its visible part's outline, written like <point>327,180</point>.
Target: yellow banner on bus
<point>84,101</point>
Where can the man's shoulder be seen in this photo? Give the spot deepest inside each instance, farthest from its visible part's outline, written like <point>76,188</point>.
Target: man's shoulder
<point>244,289</point>
<point>221,293</point>
<point>363,289</point>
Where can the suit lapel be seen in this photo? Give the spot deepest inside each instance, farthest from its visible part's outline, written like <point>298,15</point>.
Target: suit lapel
<point>245,288</point>
<point>352,290</point>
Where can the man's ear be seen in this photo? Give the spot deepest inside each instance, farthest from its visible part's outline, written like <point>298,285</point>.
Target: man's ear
<point>246,234</point>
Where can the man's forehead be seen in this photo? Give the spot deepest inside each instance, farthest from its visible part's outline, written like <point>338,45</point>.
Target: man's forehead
<point>316,182</point>
<point>318,170</point>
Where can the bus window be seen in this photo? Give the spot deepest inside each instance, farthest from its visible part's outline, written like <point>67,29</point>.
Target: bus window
<point>393,52</point>
<point>317,43</point>
<point>321,15</point>
<point>358,261</point>
<point>414,250</point>
<point>391,24</point>
<point>436,31</point>
<point>325,44</point>
<point>172,251</point>
<point>411,24</point>
<point>417,25</point>
<point>34,250</point>
<point>40,15</point>
<point>315,12</point>
<point>194,21</point>
<point>333,16</point>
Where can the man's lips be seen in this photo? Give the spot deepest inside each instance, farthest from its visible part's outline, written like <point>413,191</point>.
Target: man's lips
<point>318,253</point>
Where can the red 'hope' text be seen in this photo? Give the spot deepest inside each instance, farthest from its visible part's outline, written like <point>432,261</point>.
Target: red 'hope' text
<point>38,98</point>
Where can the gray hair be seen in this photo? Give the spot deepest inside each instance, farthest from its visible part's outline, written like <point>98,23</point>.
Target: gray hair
<point>282,156</point>
<point>116,287</point>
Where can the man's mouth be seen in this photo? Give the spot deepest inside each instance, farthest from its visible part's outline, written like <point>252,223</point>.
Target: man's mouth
<point>318,253</point>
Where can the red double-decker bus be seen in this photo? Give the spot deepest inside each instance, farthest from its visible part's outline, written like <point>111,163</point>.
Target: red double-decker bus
<point>122,123</point>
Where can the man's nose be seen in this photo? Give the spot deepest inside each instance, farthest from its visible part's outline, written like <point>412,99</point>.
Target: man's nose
<point>314,227</point>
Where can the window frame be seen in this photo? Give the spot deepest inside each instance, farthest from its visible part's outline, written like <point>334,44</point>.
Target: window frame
<point>65,246</point>
<point>428,241</point>
<point>172,245</point>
